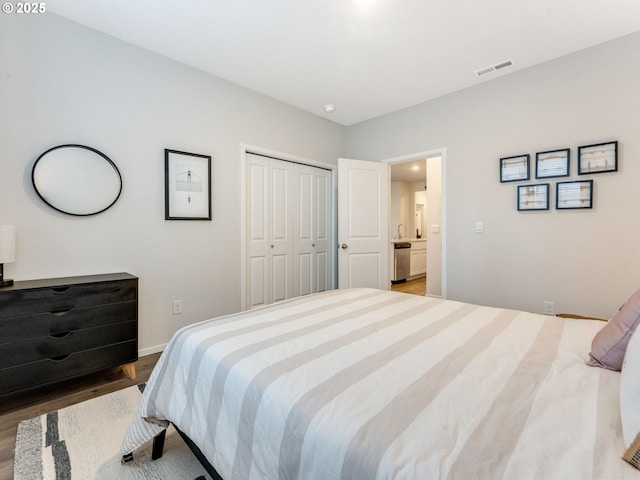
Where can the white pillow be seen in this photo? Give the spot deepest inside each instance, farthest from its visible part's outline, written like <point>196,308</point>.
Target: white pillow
<point>630,390</point>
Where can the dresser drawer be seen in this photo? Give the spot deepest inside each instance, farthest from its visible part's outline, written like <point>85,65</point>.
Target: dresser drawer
<point>15,329</point>
<point>20,302</point>
<point>59,346</point>
<point>49,371</point>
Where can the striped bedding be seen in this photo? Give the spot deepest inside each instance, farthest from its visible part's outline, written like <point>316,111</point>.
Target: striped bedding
<point>366,384</point>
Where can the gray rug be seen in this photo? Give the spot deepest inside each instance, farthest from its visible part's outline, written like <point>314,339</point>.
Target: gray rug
<point>83,442</point>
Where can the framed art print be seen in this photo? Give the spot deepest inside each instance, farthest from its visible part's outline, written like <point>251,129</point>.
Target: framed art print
<point>598,158</point>
<point>554,163</point>
<point>187,182</point>
<point>514,169</point>
<point>533,197</point>
<point>574,194</point>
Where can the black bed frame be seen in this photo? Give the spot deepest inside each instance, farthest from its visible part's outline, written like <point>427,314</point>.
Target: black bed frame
<point>158,447</point>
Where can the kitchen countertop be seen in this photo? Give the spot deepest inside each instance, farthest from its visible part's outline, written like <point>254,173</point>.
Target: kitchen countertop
<point>412,240</point>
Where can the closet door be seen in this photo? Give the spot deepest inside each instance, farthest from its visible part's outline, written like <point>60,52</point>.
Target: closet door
<point>258,261</point>
<point>312,226</point>
<point>304,230</point>
<point>281,241</point>
<point>289,230</point>
<point>322,252</point>
<point>270,262</point>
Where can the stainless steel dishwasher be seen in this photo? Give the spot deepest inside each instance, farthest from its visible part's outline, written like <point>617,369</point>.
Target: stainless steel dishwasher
<point>401,261</point>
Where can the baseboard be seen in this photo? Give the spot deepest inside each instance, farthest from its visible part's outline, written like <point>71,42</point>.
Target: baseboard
<point>143,352</point>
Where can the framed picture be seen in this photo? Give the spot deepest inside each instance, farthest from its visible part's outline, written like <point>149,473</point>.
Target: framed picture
<point>187,186</point>
<point>514,169</point>
<point>598,158</point>
<point>533,197</point>
<point>554,163</point>
<point>574,194</point>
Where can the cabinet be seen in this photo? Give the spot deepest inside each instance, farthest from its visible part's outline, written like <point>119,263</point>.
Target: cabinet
<point>418,258</point>
<point>55,329</point>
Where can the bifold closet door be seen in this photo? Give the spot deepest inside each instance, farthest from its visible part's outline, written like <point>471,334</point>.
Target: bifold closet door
<point>312,225</point>
<point>289,229</point>
<point>312,271</point>
<point>270,264</point>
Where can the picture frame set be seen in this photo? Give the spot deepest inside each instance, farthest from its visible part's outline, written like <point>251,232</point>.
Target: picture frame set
<point>553,163</point>
<point>533,197</point>
<point>187,178</point>
<point>514,169</point>
<point>575,194</point>
<point>598,158</point>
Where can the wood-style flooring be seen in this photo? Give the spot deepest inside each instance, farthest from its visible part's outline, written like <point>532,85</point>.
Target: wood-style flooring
<point>36,402</point>
<point>416,286</point>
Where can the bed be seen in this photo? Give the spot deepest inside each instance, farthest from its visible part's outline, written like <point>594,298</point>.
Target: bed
<point>369,384</point>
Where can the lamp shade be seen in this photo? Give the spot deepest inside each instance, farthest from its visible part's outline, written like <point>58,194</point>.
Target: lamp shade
<point>7,243</point>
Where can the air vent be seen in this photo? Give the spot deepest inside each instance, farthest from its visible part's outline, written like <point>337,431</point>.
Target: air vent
<point>505,64</point>
<point>495,67</point>
<point>484,71</point>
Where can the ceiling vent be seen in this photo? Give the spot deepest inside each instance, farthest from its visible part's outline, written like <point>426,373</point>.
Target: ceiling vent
<point>494,68</point>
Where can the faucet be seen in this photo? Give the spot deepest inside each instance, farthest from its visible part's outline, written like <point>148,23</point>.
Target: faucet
<point>400,233</point>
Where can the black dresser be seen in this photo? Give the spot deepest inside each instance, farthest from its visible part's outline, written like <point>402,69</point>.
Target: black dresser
<point>55,329</point>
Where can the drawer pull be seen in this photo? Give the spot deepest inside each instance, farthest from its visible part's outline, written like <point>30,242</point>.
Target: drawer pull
<point>59,335</point>
<point>61,311</point>
<point>60,289</point>
<point>59,358</point>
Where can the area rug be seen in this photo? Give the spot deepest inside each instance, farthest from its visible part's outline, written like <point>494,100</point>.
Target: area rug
<point>83,442</point>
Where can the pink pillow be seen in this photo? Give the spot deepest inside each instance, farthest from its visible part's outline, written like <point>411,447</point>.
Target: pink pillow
<point>610,343</point>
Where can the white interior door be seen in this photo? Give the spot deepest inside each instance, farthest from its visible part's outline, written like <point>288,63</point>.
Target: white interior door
<point>270,263</point>
<point>289,225</point>
<point>258,258</point>
<point>363,209</point>
<point>322,245</point>
<point>312,212</point>
<point>281,245</point>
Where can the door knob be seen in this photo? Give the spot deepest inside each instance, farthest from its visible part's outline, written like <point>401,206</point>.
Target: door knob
<point>344,246</point>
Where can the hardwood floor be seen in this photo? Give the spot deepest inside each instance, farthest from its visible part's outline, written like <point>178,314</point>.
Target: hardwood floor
<point>417,286</point>
<point>36,402</point>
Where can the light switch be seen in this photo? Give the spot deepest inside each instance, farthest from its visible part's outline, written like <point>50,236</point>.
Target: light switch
<point>435,228</point>
<point>479,227</point>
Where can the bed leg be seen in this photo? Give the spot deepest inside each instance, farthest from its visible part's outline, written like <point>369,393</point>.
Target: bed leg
<point>158,445</point>
<point>127,458</point>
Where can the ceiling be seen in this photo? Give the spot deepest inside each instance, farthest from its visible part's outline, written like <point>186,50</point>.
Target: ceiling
<point>366,57</point>
<point>410,171</point>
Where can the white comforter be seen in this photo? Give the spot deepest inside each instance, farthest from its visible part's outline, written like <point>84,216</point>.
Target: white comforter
<point>367,384</point>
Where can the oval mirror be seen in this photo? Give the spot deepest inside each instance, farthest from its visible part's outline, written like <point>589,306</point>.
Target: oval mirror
<point>76,180</point>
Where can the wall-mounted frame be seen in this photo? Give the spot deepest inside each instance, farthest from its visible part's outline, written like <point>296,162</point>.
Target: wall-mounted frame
<point>571,195</point>
<point>187,184</point>
<point>514,169</point>
<point>533,197</point>
<point>76,180</point>
<point>598,158</point>
<point>553,163</point>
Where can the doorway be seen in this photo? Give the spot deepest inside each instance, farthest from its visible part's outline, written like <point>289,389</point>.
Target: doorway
<point>419,218</point>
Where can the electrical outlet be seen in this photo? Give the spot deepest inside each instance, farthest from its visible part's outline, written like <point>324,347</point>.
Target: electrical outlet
<point>549,308</point>
<point>177,307</point>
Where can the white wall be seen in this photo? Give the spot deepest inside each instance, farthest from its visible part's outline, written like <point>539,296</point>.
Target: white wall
<point>63,83</point>
<point>586,261</point>
<point>434,234</point>
<point>399,207</point>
